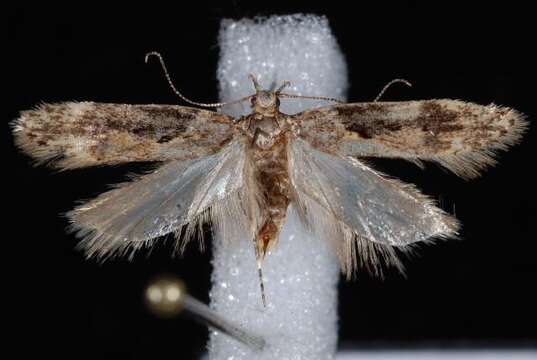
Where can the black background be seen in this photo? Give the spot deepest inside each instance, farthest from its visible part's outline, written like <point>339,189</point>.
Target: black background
<point>475,292</point>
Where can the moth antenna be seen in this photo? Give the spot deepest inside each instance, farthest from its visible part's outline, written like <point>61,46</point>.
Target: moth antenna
<point>181,96</point>
<point>283,86</point>
<point>387,86</point>
<point>309,97</point>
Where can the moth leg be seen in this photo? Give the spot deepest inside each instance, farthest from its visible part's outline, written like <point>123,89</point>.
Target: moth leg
<point>258,260</point>
<point>268,233</point>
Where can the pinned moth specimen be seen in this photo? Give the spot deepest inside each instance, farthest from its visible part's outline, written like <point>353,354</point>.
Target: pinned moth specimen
<point>247,171</point>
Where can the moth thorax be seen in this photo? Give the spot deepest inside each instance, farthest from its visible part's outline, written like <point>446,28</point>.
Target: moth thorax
<point>265,130</point>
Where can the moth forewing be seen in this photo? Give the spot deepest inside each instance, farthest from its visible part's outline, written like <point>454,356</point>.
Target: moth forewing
<point>463,137</point>
<point>79,134</point>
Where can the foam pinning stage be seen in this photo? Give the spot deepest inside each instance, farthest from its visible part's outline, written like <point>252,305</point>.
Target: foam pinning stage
<point>300,272</point>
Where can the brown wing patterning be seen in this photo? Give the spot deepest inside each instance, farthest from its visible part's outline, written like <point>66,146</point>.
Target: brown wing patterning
<point>461,136</point>
<point>72,134</point>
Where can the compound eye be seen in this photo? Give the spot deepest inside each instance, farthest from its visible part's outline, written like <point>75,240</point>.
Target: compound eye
<point>253,100</point>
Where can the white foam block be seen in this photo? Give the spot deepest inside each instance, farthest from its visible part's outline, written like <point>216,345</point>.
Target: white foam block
<point>300,273</point>
<point>478,354</point>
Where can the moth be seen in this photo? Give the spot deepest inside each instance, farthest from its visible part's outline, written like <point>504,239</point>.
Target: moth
<point>243,173</point>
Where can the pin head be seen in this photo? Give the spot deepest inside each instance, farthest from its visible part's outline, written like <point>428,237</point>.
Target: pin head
<point>164,296</point>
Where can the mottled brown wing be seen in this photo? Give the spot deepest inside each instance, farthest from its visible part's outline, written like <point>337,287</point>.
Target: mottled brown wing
<point>77,134</point>
<point>461,136</point>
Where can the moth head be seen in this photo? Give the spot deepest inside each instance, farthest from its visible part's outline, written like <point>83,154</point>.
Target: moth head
<point>265,101</point>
